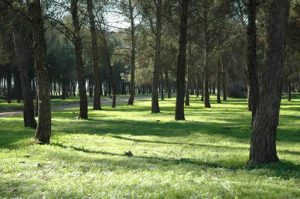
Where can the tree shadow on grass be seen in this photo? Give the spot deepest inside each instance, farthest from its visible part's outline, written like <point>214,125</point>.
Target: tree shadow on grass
<point>12,132</point>
<point>282,169</point>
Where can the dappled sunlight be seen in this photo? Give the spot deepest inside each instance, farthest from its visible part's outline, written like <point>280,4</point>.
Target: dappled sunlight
<point>208,151</point>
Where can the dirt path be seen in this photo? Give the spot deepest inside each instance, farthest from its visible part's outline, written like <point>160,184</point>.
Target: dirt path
<point>105,102</point>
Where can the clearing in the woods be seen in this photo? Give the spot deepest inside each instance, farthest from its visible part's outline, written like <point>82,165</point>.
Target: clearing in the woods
<point>204,156</point>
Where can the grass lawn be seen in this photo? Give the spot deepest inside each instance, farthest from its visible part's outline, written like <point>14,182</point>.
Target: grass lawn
<point>203,157</point>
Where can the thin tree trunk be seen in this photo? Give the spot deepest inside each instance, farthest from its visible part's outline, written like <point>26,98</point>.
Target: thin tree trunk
<point>96,59</point>
<point>43,131</point>
<point>79,62</point>
<point>188,77</point>
<point>156,72</point>
<point>252,58</point>
<point>263,139</point>
<point>181,64</point>
<point>22,43</point>
<point>133,56</point>
<point>219,74</point>
<point>111,71</point>
<point>206,70</point>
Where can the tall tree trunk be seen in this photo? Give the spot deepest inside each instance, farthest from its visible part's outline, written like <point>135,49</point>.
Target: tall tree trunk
<point>43,131</point>
<point>181,64</point>
<point>22,43</point>
<point>96,59</point>
<point>111,69</point>
<point>155,81</point>
<point>111,76</point>
<point>188,76</point>
<point>263,139</point>
<point>133,56</point>
<point>206,70</point>
<point>252,58</point>
<point>219,75</point>
<point>79,62</point>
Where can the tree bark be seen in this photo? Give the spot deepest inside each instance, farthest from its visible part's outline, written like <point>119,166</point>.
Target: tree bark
<point>252,58</point>
<point>96,59</point>
<point>263,139</point>
<point>43,131</point>
<point>188,76</point>
<point>22,41</point>
<point>79,62</point>
<point>133,56</point>
<point>156,72</point>
<point>181,64</point>
<point>206,59</point>
<point>219,77</point>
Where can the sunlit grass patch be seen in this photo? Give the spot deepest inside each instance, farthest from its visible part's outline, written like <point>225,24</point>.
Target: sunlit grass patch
<point>202,157</point>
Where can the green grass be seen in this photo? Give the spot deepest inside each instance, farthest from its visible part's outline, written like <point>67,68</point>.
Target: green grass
<point>203,157</point>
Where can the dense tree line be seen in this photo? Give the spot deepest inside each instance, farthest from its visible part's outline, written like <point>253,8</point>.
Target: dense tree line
<point>114,47</point>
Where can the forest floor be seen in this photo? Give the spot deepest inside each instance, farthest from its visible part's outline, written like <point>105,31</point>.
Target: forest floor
<point>202,157</point>
<point>15,108</point>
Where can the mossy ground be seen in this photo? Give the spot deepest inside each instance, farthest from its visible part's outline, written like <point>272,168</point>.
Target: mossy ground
<point>204,156</point>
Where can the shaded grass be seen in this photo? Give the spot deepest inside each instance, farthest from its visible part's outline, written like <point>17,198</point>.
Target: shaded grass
<point>204,156</point>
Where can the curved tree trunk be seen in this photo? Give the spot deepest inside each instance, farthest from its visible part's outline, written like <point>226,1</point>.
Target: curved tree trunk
<point>263,139</point>
<point>79,62</point>
<point>96,59</point>
<point>43,131</point>
<point>181,64</point>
